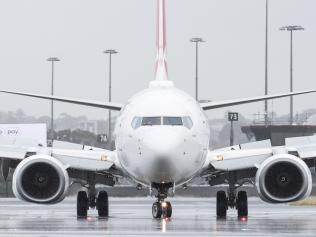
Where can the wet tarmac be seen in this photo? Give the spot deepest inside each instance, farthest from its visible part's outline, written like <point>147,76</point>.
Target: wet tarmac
<point>132,217</point>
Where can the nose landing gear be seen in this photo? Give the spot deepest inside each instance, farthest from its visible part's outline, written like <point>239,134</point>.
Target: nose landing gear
<point>162,208</point>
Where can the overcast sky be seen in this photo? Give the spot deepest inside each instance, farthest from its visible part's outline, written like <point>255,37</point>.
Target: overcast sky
<point>77,31</point>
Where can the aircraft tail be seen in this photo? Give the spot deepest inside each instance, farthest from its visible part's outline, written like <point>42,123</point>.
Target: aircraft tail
<point>161,61</point>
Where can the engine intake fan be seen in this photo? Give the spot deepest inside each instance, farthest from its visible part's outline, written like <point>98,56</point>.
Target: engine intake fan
<point>40,179</point>
<point>283,178</point>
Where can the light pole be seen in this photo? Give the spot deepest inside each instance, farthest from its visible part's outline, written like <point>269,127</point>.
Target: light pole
<point>110,52</point>
<point>52,60</point>
<point>266,65</point>
<point>291,29</point>
<point>197,41</point>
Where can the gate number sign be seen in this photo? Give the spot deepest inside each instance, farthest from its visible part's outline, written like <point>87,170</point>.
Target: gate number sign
<point>232,116</point>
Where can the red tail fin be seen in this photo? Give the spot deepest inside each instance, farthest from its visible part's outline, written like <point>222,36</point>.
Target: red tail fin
<point>161,62</point>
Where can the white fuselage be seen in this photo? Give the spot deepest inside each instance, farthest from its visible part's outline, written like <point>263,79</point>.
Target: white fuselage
<point>162,135</point>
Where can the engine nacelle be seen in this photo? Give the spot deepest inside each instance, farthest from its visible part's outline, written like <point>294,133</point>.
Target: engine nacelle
<point>40,179</point>
<point>283,178</point>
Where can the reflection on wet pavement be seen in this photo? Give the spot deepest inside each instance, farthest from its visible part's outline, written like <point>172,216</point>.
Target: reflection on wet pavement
<point>132,217</point>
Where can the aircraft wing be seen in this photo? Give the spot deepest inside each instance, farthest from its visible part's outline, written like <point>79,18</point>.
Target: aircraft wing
<point>104,105</point>
<point>232,160</point>
<point>96,161</point>
<point>245,159</point>
<point>88,160</point>
<point>227,103</point>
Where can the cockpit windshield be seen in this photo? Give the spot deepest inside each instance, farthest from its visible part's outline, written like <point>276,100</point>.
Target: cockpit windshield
<point>185,121</point>
<point>174,121</point>
<point>151,121</point>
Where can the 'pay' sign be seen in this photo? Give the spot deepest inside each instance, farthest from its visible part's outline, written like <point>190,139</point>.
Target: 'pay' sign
<point>13,132</point>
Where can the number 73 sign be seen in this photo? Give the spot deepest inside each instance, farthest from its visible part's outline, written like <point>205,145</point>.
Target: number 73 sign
<point>232,116</point>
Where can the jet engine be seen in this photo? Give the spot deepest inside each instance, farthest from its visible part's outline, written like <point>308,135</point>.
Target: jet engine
<point>40,179</point>
<point>283,178</point>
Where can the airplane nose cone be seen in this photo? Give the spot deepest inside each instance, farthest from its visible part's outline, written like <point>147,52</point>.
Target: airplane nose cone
<point>162,145</point>
<point>162,142</point>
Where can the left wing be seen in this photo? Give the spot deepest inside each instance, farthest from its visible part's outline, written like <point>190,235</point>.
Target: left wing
<point>221,104</point>
<point>88,160</point>
<point>103,105</point>
<point>99,160</point>
<point>45,175</point>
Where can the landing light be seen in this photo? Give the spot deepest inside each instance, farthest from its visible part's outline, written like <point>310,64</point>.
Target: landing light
<point>243,218</point>
<point>104,158</point>
<point>219,158</point>
<point>164,204</point>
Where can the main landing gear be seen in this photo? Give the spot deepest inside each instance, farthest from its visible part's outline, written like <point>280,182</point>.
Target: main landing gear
<point>223,203</point>
<point>84,203</point>
<point>231,200</point>
<point>90,200</point>
<point>162,208</point>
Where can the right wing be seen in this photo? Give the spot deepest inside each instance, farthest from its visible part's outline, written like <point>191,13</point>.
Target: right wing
<point>227,103</point>
<point>245,159</point>
<point>103,105</point>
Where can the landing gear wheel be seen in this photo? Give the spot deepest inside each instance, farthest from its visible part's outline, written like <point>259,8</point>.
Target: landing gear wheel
<point>242,204</point>
<point>221,204</point>
<point>103,204</point>
<point>168,210</point>
<point>157,210</point>
<point>82,204</point>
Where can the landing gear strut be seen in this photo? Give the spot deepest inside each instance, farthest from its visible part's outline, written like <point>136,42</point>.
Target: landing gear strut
<point>231,200</point>
<point>86,201</point>
<point>162,208</point>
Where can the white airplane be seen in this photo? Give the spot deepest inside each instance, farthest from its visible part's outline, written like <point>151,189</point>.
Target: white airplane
<point>162,142</point>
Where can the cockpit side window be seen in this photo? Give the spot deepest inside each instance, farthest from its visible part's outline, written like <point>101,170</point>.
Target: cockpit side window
<point>172,121</point>
<point>137,122</point>
<point>151,121</point>
<point>187,122</point>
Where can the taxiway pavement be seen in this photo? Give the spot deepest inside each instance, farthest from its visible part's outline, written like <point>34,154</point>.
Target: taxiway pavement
<point>132,217</point>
